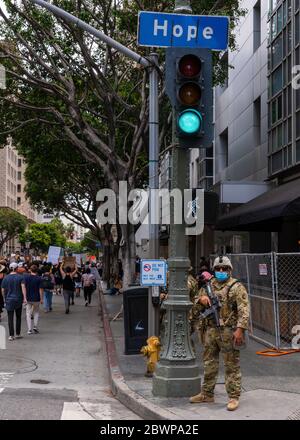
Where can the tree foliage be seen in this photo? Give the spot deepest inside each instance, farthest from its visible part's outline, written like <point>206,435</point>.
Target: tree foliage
<point>41,236</point>
<point>69,92</point>
<point>11,225</point>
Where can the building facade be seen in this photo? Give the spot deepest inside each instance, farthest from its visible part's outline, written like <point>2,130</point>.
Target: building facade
<point>257,133</point>
<point>12,188</point>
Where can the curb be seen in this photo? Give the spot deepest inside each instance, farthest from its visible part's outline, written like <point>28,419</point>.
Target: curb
<point>134,401</point>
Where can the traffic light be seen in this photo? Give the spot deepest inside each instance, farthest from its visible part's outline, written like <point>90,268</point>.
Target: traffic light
<point>189,87</point>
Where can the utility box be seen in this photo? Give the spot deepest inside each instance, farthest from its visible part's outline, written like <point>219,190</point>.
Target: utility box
<point>135,306</point>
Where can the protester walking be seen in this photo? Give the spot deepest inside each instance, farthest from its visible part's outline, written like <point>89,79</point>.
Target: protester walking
<point>3,271</point>
<point>14,294</point>
<point>34,296</point>
<point>78,282</point>
<point>48,283</point>
<point>88,282</point>
<point>68,286</point>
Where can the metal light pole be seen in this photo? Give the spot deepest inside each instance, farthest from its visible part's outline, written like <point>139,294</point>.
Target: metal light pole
<point>153,312</point>
<point>177,374</point>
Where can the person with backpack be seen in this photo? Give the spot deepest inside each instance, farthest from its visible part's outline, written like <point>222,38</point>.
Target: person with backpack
<point>88,282</point>
<point>34,297</point>
<point>48,284</point>
<point>68,286</point>
<point>14,294</point>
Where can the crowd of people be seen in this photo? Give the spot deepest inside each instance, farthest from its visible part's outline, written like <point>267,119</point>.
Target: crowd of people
<point>30,285</point>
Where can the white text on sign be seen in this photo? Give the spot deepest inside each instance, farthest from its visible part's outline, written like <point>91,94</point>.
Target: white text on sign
<point>178,31</point>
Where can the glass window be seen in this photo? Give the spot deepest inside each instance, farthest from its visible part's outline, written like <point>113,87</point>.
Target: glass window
<point>297,99</point>
<point>289,38</point>
<point>273,27</point>
<point>279,107</point>
<point>279,20</point>
<point>274,140</point>
<point>284,13</point>
<point>290,155</point>
<point>277,161</point>
<point>297,30</point>
<point>277,80</point>
<point>280,136</point>
<point>277,52</point>
<point>285,157</point>
<point>289,9</point>
<point>298,151</point>
<point>289,100</point>
<point>274,113</point>
<point>298,124</point>
<point>290,130</point>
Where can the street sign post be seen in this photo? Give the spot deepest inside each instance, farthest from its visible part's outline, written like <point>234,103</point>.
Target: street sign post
<point>179,30</point>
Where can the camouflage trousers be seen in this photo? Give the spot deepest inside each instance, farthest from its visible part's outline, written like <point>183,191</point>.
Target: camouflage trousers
<point>213,345</point>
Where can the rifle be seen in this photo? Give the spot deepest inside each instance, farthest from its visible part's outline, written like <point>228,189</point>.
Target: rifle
<point>214,309</point>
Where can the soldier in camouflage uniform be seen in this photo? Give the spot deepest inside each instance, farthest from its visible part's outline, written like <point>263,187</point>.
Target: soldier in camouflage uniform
<point>234,319</point>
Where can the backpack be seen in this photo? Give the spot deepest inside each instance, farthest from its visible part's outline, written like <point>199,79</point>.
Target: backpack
<point>88,280</point>
<point>47,282</point>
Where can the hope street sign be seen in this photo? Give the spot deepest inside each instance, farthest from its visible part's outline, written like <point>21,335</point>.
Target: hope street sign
<point>178,30</point>
<point>153,272</point>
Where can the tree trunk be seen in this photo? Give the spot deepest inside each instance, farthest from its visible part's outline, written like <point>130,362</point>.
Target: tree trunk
<point>128,254</point>
<point>106,264</point>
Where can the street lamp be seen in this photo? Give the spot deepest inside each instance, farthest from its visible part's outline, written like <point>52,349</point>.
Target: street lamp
<point>183,6</point>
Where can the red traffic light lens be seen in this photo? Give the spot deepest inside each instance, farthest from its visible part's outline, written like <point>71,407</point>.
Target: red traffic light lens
<point>190,66</point>
<point>190,94</point>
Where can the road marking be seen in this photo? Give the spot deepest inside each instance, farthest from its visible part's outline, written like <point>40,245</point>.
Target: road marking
<point>1,389</point>
<point>100,411</point>
<point>86,411</point>
<point>5,377</point>
<point>2,337</point>
<point>74,411</point>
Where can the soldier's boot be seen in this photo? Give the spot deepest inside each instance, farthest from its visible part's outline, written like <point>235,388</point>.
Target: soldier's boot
<point>233,404</point>
<point>202,398</point>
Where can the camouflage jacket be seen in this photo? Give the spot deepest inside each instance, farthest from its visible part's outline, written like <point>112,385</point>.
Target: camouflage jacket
<point>234,302</point>
<point>192,287</point>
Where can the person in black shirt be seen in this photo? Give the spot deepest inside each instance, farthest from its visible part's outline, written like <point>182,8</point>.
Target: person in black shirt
<point>68,285</point>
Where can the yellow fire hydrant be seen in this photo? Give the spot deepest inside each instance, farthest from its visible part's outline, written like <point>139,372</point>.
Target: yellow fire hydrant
<point>151,350</point>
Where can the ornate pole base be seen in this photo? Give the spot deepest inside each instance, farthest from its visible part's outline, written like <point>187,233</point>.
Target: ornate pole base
<point>177,373</point>
<point>176,380</point>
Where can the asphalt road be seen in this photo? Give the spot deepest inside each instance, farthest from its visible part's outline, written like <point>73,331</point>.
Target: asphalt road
<point>60,373</point>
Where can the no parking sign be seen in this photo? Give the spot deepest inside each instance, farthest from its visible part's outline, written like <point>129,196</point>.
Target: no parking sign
<point>153,273</point>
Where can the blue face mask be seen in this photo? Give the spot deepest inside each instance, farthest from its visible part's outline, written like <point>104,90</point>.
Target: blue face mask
<point>221,276</point>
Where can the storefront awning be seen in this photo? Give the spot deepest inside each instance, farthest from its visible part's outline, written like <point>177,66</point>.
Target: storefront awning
<point>265,212</point>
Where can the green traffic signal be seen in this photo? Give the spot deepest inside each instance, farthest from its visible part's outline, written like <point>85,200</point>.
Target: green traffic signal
<point>190,121</point>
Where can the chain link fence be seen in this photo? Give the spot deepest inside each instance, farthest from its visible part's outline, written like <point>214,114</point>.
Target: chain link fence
<point>273,284</point>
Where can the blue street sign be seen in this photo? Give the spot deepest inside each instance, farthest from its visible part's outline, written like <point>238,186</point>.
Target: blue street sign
<point>177,30</point>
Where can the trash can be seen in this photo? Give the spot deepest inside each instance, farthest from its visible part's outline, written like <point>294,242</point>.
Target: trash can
<point>135,308</point>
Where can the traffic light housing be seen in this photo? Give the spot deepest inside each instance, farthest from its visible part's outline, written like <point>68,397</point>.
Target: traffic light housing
<point>189,87</point>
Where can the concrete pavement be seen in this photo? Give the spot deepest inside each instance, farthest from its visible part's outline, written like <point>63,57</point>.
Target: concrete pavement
<point>271,386</point>
<point>60,373</point>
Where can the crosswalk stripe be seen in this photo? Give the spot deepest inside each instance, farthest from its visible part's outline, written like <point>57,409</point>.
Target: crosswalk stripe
<point>86,411</point>
<point>73,411</point>
<point>1,389</point>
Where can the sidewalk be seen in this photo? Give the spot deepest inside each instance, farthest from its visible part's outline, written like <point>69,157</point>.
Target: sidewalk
<point>271,386</point>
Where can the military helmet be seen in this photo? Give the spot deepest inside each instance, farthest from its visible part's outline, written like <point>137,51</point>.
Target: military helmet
<point>222,261</point>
